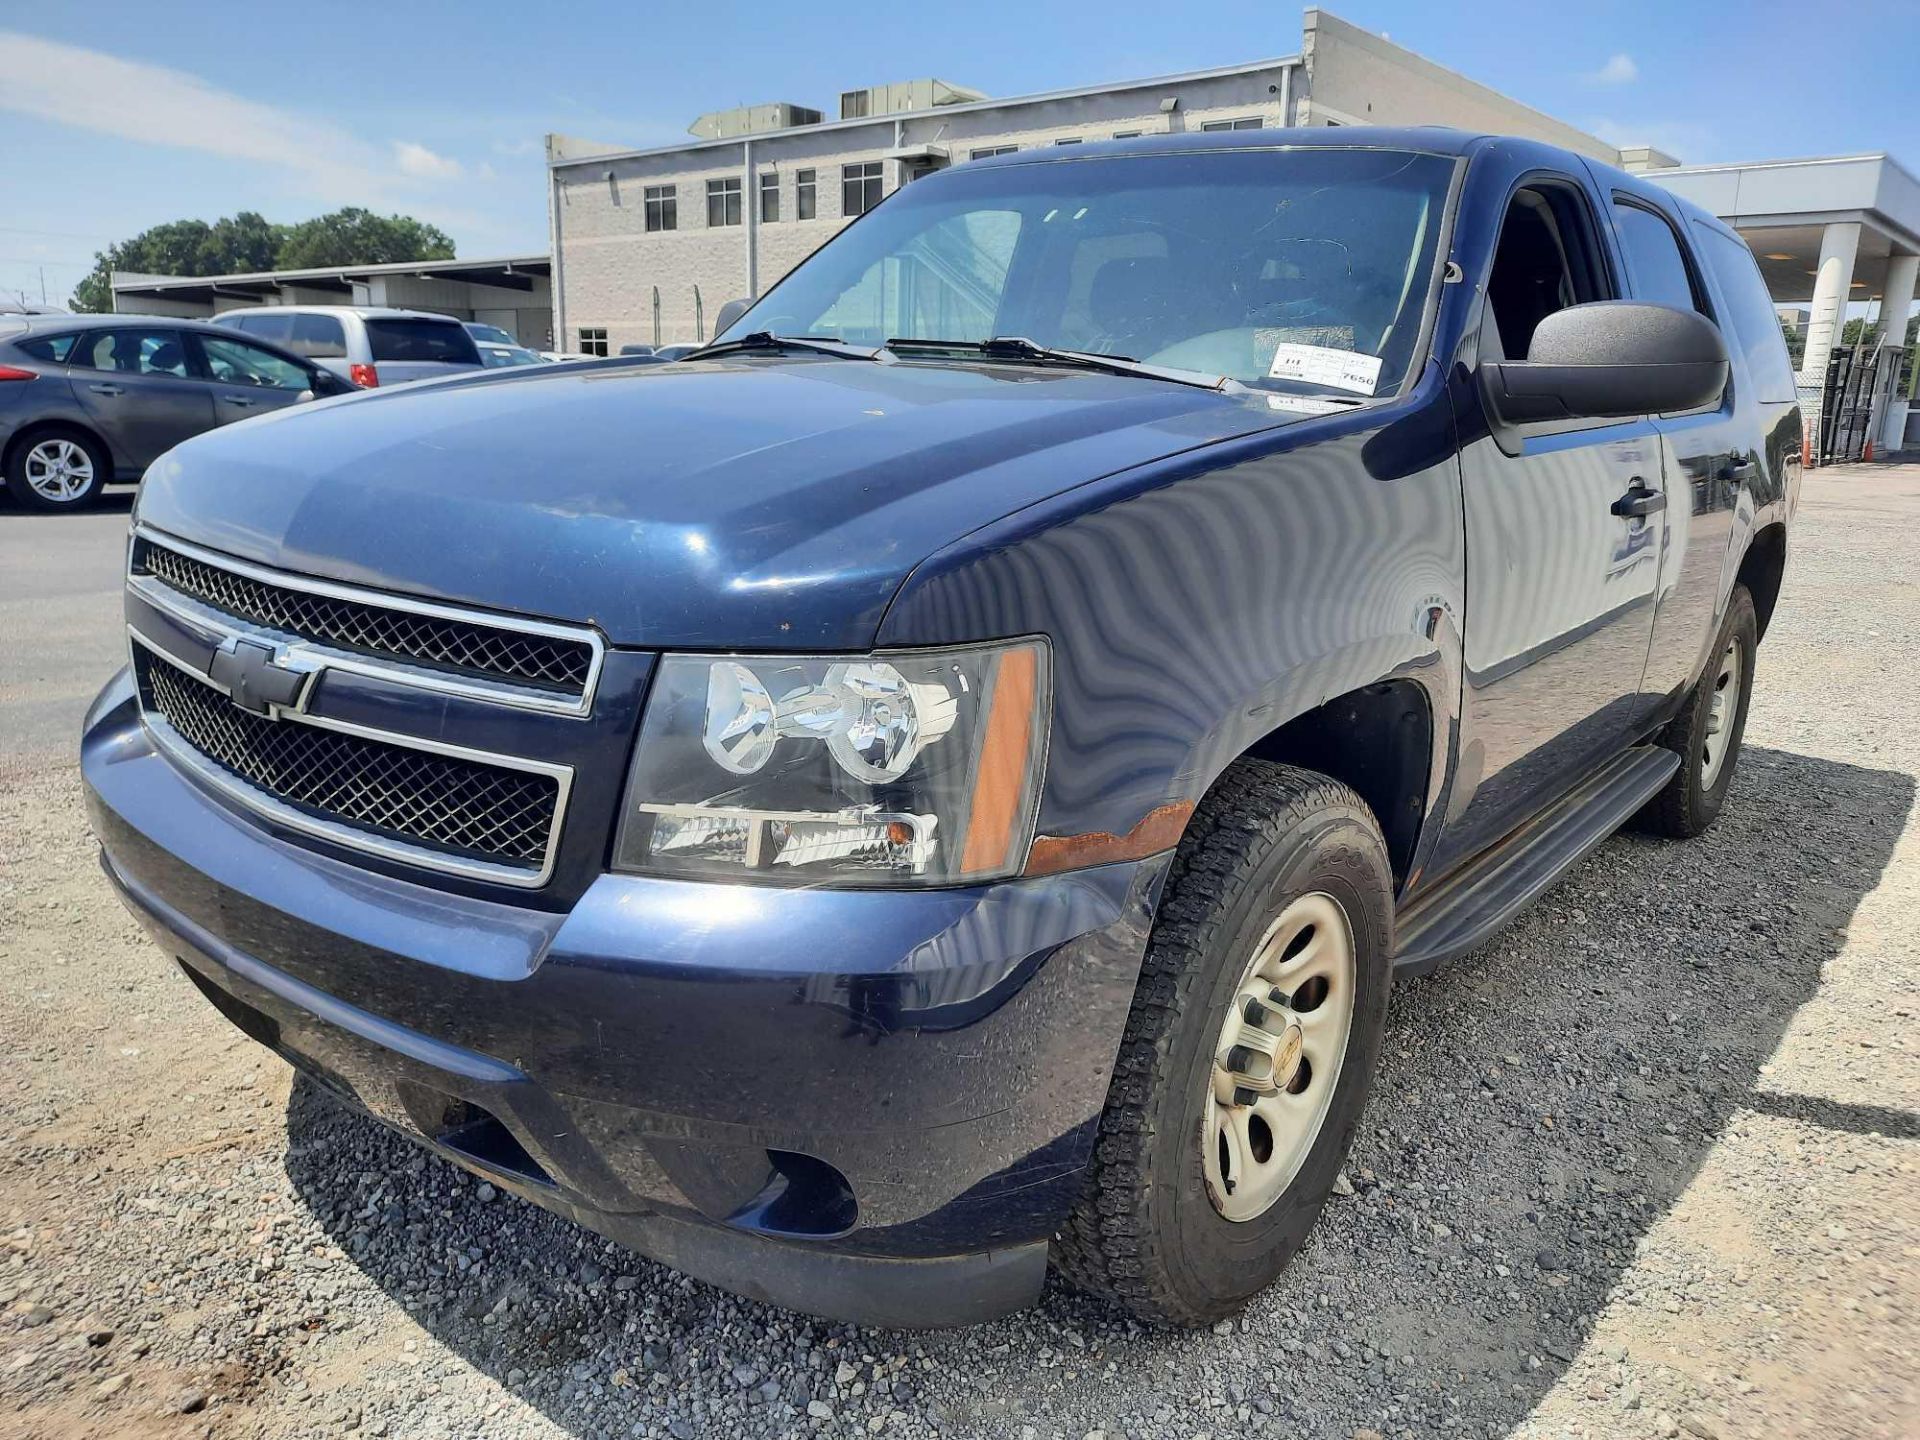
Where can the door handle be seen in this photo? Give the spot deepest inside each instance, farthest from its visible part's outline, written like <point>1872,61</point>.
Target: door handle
<point>239,400</point>
<point>1639,500</point>
<point>108,389</point>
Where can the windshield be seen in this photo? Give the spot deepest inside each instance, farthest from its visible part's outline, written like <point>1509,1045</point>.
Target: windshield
<point>1287,269</point>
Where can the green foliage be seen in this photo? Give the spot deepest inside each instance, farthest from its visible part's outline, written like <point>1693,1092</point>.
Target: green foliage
<point>359,237</point>
<point>246,242</point>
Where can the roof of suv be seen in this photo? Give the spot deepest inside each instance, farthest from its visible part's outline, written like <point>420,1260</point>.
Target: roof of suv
<point>367,312</point>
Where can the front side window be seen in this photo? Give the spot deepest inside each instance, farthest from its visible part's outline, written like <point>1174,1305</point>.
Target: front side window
<point>769,198</point>
<point>1547,259</point>
<point>133,352</point>
<point>1654,262</point>
<point>1272,267</point>
<point>859,188</point>
<point>235,362</point>
<point>723,201</point>
<point>593,340</point>
<point>662,204</point>
<point>804,190</point>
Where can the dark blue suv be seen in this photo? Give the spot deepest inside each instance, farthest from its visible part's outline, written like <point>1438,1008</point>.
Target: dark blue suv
<point>944,778</point>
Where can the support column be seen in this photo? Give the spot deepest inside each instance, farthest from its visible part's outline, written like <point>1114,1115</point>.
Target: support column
<point>750,213</point>
<point>1831,285</point>
<point>1896,301</point>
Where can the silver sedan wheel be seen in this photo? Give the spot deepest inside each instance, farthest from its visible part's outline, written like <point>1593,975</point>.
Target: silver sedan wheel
<point>59,470</point>
<point>1277,1063</point>
<point>1722,709</point>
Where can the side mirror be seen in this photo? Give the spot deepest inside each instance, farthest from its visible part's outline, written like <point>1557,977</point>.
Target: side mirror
<point>1610,359</point>
<point>729,312</point>
<point>325,382</point>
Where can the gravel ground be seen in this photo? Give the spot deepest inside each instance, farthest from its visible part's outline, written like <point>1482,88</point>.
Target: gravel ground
<point>1644,1166</point>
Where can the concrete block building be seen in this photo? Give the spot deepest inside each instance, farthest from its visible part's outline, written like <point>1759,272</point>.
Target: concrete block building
<point>648,244</point>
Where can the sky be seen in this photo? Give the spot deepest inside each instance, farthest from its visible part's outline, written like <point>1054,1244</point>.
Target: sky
<point>120,116</point>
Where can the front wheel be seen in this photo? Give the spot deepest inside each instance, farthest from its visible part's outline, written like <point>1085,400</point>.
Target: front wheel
<point>1248,1053</point>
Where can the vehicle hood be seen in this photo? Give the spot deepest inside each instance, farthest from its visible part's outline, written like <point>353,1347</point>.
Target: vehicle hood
<point>735,504</point>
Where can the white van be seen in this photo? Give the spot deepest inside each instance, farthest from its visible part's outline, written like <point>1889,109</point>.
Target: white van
<point>369,345</point>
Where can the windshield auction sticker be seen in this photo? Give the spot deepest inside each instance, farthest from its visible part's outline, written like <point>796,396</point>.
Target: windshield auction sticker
<point>1316,365</point>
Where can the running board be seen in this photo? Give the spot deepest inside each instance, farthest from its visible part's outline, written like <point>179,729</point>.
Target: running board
<point>1469,906</point>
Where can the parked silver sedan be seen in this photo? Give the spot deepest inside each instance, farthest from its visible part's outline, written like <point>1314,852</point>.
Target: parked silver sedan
<point>86,400</point>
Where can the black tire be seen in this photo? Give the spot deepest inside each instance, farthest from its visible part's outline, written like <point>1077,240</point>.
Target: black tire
<point>27,498</point>
<point>1145,1233</point>
<point>1688,805</point>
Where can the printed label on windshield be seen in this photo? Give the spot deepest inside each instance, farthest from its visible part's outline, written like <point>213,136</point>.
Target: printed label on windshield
<point>1316,365</point>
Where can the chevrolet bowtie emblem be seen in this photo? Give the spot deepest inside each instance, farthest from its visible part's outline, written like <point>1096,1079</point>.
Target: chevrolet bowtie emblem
<point>256,680</point>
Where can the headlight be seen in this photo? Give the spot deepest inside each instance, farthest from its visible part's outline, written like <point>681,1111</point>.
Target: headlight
<point>905,768</point>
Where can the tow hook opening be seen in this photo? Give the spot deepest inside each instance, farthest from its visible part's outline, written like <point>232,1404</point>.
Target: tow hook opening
<point>805,1197</point>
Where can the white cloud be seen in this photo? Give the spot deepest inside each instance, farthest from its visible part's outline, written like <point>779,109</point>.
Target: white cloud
<point>1619,70</point>
<point>512,149</point>
<point>154,105</point>
<point>421,163</point>
<point>1684,140</point>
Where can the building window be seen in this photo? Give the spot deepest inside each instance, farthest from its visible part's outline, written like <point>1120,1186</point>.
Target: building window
<point>723,201</point>
<point>663,207</point>
<point>1128,134</point>
<point>1068,140</point>
<point>769,198</point>
<point>1247,122</point>
<point>986,151</point>
<point>855,104</point>
<point>594,341</point>
<point>803,202</point>
<point>859,188</point>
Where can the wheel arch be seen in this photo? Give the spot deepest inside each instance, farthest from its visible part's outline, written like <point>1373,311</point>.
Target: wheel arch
<point>1762,567</point>
<point>1378,740</point>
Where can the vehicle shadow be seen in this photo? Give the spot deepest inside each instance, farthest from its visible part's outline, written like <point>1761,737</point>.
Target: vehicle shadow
<point>1634,1006</point>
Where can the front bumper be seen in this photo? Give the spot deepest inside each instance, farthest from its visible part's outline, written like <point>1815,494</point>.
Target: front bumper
<point>871,1105</point>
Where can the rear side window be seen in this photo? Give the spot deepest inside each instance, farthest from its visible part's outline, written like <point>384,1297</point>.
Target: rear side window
<point>318,337</point>
<point>445,341</point>
<point>1654,261</point>
<point>1751,312</point>
<point>277,328</point>
<point>54,349</point>
<point>134,352</point>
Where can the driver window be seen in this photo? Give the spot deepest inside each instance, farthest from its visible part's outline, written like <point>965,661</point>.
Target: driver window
<point>234,362</point>
<point>1547,259</point>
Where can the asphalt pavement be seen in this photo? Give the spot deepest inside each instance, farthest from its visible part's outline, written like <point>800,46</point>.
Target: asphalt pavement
<point>60,631</point>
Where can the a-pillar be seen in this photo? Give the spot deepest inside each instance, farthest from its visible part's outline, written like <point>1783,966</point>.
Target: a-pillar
<point>1896,301</point>
<point>1832,283</point>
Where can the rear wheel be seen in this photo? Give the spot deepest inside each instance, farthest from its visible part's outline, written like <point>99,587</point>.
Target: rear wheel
<point>57,470</point>
<point>1707,733</point>
<point>1248,1052</point>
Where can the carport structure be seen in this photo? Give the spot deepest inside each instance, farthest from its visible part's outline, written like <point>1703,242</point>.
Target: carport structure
<point>1829,233</point>
<point>514,293</point>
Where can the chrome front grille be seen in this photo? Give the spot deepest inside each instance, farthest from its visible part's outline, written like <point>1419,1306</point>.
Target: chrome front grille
<point>478,815</point>
<point>549,663</point>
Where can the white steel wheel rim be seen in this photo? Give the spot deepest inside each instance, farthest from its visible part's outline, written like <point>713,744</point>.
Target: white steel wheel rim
<point>1721,710</point>
<point>59,470</point>
<point>1276,1062</point>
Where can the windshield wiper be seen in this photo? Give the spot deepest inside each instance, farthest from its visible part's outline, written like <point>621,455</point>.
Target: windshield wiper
<point>1019,349</point>
<point>767,340</point>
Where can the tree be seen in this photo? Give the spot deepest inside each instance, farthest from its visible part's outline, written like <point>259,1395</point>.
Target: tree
<point>359,237</point>
<point>246,242</point>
